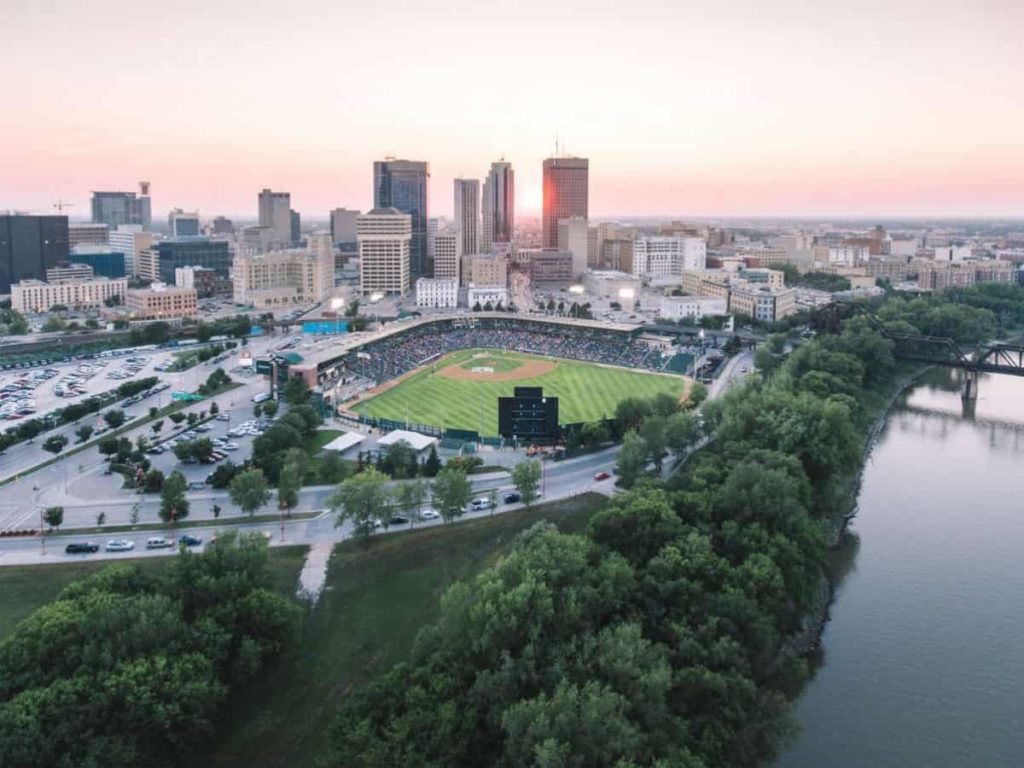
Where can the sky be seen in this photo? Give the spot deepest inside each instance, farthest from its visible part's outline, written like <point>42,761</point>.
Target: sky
<point>684,107</point>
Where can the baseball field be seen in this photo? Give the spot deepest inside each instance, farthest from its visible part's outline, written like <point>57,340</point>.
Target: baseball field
<point>461,390</point>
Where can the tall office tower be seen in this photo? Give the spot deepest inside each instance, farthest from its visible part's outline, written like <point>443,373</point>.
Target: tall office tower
<point>117,208</point>
<point>222,226</point>
<point>566,190</point>
<point>183,223</point>
<point>573,237</point>
<point>433,224</point>
<point>343,225</point>
<point>385,246</point>
<point>467,214</point>
<point>130,240</point>
<point>499,218</point>
<point>29,245</point>
<point>296,225</point>
<point>276,215</point>
<point>405,186</point>
<point>448,253</point>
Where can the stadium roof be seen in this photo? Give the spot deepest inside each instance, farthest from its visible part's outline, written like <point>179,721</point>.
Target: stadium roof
<point>344,442</point>
<point>415,439</point>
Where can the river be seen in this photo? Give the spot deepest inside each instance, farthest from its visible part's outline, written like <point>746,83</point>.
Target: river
<point>922,660</point>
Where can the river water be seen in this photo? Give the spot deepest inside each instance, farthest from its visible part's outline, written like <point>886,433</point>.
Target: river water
<point>922,661</point>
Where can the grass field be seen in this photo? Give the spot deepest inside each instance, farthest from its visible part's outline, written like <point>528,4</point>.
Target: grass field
<point>378,595</point>
<point>25,588</point>
<point>585,392</point>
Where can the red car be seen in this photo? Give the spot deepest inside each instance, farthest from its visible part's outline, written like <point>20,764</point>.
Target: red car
<point>601,476</point>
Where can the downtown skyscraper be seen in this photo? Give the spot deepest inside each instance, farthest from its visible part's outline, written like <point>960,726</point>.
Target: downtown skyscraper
<point>405,186</point>
<point>467,214</point>
<point>566,193</point>
<point>498,206</point>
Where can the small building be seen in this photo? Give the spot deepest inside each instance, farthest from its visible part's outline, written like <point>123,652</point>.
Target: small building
<point>437,292</point>
<point>611,284</point>
<point>161,302</point>
<point>345,442</point>
<point>691,308</point>
<point>417,441</point>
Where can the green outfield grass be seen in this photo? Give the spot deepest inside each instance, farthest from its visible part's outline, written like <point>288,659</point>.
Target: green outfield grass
<point>585,392</point>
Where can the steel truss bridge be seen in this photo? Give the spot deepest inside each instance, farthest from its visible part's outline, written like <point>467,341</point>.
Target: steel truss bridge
<point>997,357</point>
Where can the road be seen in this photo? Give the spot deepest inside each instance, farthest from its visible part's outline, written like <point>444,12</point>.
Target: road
<point>561,480</point>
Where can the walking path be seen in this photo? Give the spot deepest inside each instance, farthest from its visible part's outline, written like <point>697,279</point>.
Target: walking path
<point>314,572</point>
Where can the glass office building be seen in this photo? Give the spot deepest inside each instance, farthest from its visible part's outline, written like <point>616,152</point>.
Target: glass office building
<point>29,245</point>
<point>193,252</point>
<point>404,185</point>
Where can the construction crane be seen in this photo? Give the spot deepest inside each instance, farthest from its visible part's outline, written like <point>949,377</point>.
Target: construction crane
<point>60,205</point>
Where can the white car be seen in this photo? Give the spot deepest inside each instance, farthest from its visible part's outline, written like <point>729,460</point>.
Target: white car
<point>429,514</point>
<point>120,545</point>
<point>480,504</point>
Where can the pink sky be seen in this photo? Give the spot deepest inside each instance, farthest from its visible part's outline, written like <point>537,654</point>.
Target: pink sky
<point>705,107</point>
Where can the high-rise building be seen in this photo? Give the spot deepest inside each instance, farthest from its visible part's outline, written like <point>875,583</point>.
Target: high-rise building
<point>405,186</point>
<point>88,234</point>
<point>385,242</point>
<point>343,226</point>
<point>117,208</point>
<point>276,215</point>
<point>292,276</point>
<point>433,224</point>
<point>29,245</point>
<point>222,226</point>
<point>448,253</point>
<point>573,237</point>
<point>296,226</point>
<point>104,260</point>
<point>467,214</point>
<point>183,223</point>
<point>167,255</point>
<point>130,240</point>
<point>498,206</point>
<point>566,194</point>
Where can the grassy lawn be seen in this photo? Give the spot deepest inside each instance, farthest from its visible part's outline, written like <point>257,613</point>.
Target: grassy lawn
<point>26,588</point>
<point>379,594</point>
<point>585,392</point>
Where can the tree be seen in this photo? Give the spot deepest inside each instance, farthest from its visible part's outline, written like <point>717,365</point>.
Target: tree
<point>400,460</point>
<point>216,511</point>
<point>270,408</point>
<point>101,518</point>
<point>288,484</point>
<point>133,516</point>
<point>698,394</point>
<point>652,430</point>
<point>451,491</point>
<point>177,417</point>
<point>632,458</point>
<point>363,499</point>
<point>53,323</point>
<point>526,479</point>
<point>665,404</point>
<point>184,451</point>
<point>192,417</point>
<point>84,432</point>
<point>154,481</point>
<point>631,411</point>
<point>681,431</point>
<point>410,497</point>
<point>477,307</point>
<point>157,426</point>
<point>173,504</point>
<point>214,408</point>
<point>55,444</point>
<point>333,468</point>
<point>114,418</point>
<point>594,434</point>
<point>249,490</point>
<point>54,516</point>
<point>295,391</point>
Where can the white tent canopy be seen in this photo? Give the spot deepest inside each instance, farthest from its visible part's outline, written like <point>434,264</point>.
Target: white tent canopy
<point>415,439</point>
<point>343,442</point>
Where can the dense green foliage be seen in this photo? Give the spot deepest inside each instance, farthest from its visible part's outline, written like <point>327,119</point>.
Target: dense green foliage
<point>129,667</point>
<point>133,387</point>
<point>659,638</point>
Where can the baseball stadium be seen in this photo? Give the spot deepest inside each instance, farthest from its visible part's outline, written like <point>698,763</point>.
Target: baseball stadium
<point>446,374</point>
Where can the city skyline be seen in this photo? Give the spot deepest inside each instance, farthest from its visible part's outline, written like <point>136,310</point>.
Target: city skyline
<point>900,108</point>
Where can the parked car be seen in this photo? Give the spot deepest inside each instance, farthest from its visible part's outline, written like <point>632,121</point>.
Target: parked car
<point>512,498</point>
<point>189,541</point>
<point>399,520</point>
<point>197,486</point>
<point>81,548</point>
<point>601,476</point>
<point>480,504</point>
<point>429,514</point>
<point>120,545</point>
<point>159,542</point>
